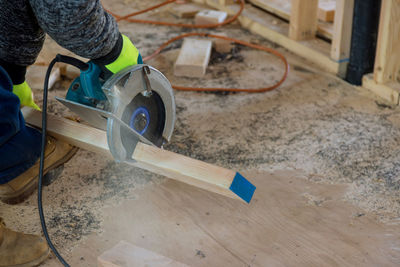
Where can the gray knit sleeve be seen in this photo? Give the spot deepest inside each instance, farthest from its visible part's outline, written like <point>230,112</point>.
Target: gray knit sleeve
<point>81,26</point>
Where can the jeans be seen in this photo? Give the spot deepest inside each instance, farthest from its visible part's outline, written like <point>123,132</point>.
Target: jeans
<point>20,145</point>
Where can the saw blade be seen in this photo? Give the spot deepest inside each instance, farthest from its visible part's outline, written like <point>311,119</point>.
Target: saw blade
<point>145,115</point>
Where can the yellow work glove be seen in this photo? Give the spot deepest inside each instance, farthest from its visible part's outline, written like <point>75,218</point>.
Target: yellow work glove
<point>25,95</point>
<point>129,56</point>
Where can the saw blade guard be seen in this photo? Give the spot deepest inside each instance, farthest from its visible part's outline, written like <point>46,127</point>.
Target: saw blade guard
<point>142,105</point>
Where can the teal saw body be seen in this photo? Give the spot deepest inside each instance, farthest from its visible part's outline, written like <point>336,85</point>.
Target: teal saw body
<point>135,104</point>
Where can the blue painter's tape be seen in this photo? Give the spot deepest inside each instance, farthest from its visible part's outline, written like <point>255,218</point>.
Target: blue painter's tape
<point>343,60</point>
<point>243,188</point>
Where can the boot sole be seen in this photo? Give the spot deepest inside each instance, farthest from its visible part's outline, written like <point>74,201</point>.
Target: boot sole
<point>25,192</point>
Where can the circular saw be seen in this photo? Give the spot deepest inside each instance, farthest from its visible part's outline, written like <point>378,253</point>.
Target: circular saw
<point>135,104</point>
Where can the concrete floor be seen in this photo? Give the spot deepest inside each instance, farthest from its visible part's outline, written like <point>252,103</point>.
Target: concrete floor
<point>315,125</point>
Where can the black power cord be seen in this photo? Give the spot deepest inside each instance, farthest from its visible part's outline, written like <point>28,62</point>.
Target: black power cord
<point>82,66</point>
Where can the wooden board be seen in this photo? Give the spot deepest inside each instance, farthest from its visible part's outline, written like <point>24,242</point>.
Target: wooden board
<point>193,58</point>
<point>387,61</point>
<point>303,19</point>
<point>291,222</point>
<point>125,254</point>
<point>341,41</point>
<point>389,91</point>
<point>172,165</point>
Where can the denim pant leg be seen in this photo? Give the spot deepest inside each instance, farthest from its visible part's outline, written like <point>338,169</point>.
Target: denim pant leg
<point>19,145</point>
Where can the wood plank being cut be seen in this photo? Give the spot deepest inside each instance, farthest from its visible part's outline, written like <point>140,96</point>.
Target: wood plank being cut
<point>193,58</point>
<point>125,254</point>
<point>172,165</point>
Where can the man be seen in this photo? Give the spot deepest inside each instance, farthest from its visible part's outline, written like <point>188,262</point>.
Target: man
<point>83,27</point>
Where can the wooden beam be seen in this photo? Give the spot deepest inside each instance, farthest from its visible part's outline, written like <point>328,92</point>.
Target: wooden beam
<point>303,19</point>
<point>341,39</point>
<point>389,91</point>
<point>387,61</point>
<point>125,254</point>
<point>194,172</point>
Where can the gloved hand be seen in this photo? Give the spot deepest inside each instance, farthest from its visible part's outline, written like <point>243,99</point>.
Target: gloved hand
<point>25,95</point>
<point>129,56</point>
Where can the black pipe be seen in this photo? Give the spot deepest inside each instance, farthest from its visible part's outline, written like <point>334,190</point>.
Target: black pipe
<point>363,40</point>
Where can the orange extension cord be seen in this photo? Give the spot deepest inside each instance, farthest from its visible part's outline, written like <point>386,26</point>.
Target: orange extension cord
<point>235,17</point>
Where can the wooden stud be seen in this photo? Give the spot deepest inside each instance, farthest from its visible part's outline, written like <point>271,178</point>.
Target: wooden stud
<point>387,61</point>
<point>187,170</point>
<point>341,40</point>
<point>303,19</point>
<point>193,58</point>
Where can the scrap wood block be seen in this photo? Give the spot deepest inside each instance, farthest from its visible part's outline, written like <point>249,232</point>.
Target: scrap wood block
<point>326,11</point>
<point>125,254</point>
<point>36,74</point>
<point>210,17</point>
<point>221,45</point>
<point>193,58</point>
<point>185,10</point>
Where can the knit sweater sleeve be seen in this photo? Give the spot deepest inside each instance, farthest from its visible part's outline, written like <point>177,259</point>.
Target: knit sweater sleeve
<point>81,26</point>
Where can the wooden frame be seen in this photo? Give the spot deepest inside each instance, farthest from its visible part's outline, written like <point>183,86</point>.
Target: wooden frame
<point>385,81</point>
<point>333,58</point>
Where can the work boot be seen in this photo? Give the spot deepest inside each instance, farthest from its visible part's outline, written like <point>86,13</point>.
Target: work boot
<point>20,188</point>
<point>22,250</point>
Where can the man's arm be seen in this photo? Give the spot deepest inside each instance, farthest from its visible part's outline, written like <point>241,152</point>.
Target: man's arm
<point>81,26</point>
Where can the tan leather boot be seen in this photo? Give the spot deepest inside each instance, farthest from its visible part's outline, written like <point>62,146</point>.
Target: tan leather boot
<point>22,250</point>
<point>20,188</point>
